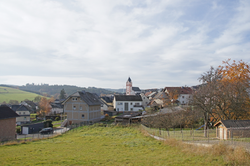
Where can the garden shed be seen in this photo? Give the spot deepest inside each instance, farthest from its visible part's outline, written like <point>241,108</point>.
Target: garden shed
<point>226,129</point>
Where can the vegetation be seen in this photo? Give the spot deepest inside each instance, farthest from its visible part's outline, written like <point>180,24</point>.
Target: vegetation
<point>8,94</point>
<point>224,93</point>
<point>102,146</point>
<point>54,90</point>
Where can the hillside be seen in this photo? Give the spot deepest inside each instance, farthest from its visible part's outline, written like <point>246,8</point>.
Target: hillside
<point>54,90</point>
<point>8,93</point>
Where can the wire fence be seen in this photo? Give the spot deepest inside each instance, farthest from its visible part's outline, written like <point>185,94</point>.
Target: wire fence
<point>232,137</point>
<point>21,138</point>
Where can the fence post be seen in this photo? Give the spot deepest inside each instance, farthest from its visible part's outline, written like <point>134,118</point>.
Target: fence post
<point>181,134</point>
<point>193,134</point>
<point>208,135</point>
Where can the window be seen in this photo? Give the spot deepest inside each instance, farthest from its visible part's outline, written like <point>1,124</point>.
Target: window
<point>74,98</point>
<point>131,103</point>
<point>24,113</point>
<point>137,103</point>
<point>80,107</point>
<point>74,107</point>
<point>183,97</point>
<point>131,109</point>
<point>82,115</point>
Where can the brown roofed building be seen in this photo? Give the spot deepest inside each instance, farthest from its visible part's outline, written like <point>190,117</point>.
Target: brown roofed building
<point>82,107</point>
<point>7,123</point>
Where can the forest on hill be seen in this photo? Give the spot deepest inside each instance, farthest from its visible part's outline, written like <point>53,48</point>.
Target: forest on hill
<point>54,90</point>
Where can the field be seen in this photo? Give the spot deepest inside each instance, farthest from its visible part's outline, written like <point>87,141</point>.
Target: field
<point>7,94</point>
<point>101,146</point>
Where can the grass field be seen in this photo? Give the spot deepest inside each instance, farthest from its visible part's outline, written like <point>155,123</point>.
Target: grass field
<point>101,146</point>
<point>7,94</point>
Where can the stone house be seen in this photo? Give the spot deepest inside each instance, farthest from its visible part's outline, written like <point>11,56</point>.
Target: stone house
<point>82,107</point>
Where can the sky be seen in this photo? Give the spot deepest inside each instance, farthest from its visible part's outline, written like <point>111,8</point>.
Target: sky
<point>100,43</point>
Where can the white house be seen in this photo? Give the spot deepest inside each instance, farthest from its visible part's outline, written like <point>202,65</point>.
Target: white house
<point>23,112</point>
<point>184,93</point>
<point>127,103</point>
<point>145,100</point>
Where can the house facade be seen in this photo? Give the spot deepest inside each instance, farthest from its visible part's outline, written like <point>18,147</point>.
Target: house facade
<point>7,123</point>
<point>23,112</point>
<point>184,94</point>
<point>127,103</point>
<point>145,100</point>
<point>82,107</point>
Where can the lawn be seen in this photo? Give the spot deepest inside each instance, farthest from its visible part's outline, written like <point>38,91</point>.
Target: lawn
<point>101,146</point>
<point>7,94</point>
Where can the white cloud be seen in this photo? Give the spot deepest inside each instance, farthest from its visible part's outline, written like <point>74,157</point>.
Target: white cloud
<point>101,43</point>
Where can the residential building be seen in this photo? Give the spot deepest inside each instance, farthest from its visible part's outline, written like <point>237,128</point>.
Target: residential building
<point>56,107</point>
<point>23,112</point>
<point>184,94</point>
<point>33,107</point>
<point>7,123</point>
<point>145,100</point>
<point>127,103</point>
<point>82,107</point>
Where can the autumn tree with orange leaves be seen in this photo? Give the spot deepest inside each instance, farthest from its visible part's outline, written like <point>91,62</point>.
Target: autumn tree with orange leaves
<point>224,93</point>
<point>44,106</point>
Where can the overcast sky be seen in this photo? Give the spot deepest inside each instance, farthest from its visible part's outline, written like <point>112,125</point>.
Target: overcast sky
<point>101,43</point>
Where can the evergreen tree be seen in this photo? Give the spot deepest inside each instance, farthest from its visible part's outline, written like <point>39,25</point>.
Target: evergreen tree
<point>62,94</point>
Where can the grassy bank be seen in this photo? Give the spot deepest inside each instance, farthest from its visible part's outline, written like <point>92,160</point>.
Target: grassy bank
<point>7,94</point>
<point>102,146</point>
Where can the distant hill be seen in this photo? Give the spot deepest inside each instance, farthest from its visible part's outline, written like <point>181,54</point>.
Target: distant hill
<point>117,90</point>
<point>8,93</point>
<point>54,90</point>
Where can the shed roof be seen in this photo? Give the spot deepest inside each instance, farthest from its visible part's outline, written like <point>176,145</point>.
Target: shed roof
<point>234,123</point>
<point>6,112</point>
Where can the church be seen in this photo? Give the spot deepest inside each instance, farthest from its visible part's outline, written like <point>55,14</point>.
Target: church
<point>130,90</point>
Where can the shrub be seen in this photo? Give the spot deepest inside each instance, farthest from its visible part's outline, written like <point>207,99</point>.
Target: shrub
<point>57,118</point>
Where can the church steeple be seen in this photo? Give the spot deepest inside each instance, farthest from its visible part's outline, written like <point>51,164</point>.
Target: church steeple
<point>128,86</point>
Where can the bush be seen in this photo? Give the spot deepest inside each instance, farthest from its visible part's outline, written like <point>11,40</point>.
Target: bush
<point>18,129</point>
<point>48,123</point>
<point>57,118</point>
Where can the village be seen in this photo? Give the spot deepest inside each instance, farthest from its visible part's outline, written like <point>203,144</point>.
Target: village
<point>169,107</point>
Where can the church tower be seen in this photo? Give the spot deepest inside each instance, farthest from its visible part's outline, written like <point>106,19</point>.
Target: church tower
<point>128,86</point>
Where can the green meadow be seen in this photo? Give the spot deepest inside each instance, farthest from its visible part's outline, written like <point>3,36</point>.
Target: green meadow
<point>7,94</point>
<point>101,146</point>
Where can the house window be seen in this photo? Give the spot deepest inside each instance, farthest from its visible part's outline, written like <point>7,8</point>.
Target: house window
<point>82,115</point>
<point>183,97</point>
<point>137,103</point>
<point>80,107</point>
<point>74,107</point>
<point>74,98</point>
<point>131,109</point>
<point>131,103</point>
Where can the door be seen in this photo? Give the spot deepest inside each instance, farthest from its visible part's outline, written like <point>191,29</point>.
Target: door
<point>25,130</point>
<point>126,107</point>
<point>221,133</point>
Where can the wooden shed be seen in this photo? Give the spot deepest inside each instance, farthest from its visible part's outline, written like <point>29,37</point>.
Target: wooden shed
<point>226,129</point>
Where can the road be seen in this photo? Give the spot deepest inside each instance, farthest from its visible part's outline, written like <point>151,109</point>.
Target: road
<point>58,130</point>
